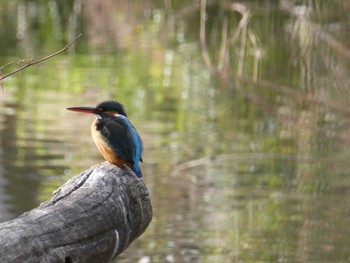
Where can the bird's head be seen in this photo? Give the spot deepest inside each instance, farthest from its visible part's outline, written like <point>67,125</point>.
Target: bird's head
<point>106,107</point>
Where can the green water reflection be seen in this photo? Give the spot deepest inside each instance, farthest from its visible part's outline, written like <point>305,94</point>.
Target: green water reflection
<point>246,135</point>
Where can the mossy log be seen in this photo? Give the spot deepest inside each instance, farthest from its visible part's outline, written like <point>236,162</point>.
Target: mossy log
<point>91,218</point>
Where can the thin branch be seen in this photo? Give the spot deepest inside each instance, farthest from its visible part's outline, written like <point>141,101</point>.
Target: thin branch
<point>34,62</point>
<point>9,63</point>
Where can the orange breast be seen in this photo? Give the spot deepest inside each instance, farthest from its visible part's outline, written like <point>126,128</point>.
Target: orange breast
<point>104,148</point>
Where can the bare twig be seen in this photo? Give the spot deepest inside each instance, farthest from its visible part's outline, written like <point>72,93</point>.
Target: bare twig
<point>33,62</point>
<point>9,63</point>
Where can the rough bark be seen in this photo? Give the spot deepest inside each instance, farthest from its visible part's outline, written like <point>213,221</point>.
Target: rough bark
<point>91,218</point>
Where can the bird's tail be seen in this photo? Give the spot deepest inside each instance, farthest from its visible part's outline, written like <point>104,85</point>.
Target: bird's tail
<point>137,170</point>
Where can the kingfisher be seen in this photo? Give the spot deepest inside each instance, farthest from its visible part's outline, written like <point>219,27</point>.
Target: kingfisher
<point>114,135</point>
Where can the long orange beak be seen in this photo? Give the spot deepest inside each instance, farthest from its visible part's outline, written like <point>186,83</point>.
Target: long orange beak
<point>82,109</point>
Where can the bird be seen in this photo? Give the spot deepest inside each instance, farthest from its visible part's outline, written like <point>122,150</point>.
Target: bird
<point>114,135</point>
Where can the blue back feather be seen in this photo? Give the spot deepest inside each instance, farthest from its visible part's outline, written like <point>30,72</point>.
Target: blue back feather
<point>137,147</point>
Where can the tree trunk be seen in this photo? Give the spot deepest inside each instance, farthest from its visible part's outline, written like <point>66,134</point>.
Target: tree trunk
<point>91,218</point>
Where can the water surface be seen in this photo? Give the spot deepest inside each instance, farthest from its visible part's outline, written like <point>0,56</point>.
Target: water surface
<point>245,134</point>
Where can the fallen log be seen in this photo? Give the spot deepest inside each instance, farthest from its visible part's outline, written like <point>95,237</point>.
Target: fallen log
<point>91,218</point>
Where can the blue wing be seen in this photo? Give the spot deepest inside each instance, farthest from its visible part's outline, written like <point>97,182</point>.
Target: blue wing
<point>122,137</point>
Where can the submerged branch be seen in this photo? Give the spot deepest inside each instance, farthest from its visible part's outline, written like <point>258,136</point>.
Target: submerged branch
<point>253,156</point>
